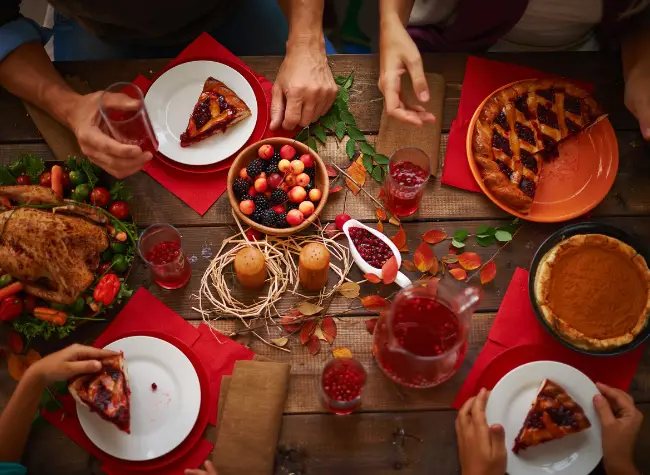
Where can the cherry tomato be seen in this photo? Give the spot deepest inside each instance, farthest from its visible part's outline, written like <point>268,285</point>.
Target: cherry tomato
<point>46,179</point>
<point>29,303</point>
<point>100,197</point>
<point>119,209</point>
<point>66,179</point>
<point>23,180</point>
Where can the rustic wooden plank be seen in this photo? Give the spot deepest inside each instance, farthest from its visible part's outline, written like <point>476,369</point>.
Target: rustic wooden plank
<point>628,196</point>
<point>366,101</point>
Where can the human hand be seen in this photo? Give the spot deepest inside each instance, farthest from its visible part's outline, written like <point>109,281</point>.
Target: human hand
<point>637,95</point>
<point>482,449</point>
<point>306,83</point>
<point>209,470</point>
<point>68,363</point>
<point>399,54</point>
<point>621,422</point>
<point>118,159</point>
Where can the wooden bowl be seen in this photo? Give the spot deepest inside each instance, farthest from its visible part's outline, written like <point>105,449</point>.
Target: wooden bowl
<point>249,154</point>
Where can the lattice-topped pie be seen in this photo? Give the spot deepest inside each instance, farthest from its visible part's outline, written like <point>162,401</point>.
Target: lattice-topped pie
<point>521,126</point>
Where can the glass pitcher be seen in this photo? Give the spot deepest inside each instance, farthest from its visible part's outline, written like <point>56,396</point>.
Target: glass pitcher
<point>421,341</point>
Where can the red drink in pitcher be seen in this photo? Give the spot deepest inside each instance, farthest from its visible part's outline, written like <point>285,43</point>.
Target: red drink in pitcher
<point>421,342</point>
<point>160,248</point>
<point>408,173</point>
<point>342,382</point>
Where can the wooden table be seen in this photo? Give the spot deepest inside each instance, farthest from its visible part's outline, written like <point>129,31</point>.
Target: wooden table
<point>367,442</point>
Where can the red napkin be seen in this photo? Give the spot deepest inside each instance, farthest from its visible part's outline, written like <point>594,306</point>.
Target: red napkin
<point>199,191</point>
<point>482,78</point>
<point>516,325</point>
<point>145,313</point>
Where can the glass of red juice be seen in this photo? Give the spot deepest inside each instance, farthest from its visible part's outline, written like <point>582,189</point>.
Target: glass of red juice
<point>408,172</point>
<point>129,126</point>
<point>160,247</point>
<point>422,340</point>
<point>342,382</point>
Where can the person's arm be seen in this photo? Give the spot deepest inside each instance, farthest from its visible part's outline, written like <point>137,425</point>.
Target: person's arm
<point>304,89</point>
<point>399,54</point>
<point>16,419</point>
<point>636,70</point>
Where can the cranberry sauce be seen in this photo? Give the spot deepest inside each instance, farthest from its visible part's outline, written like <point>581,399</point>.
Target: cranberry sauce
<point>201,113</point>
<point>371,249</point>
<point>164,253</point>
<point>408,174</point>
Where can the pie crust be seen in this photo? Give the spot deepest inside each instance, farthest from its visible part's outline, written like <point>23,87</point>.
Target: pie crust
<point>593,290</point>
<point>521,126</point>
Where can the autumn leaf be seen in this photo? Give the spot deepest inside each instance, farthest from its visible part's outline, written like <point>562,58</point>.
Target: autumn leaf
<point>380,226</point>
<point>371,323</point>
<point>394,221</point>
<point>399,239</point>
<point>381,214</point>
<point>15,342</point>
<point>458,274</point>
<point>306,331</point>
<point>469,260</point>
<point>288,318</point>
<point>409,266</point>
<point>318,331</point>
<point>427,279</point>
<point>450,259</point>
<point>281,342</point>
<point>308,308</point>
<point>389,270</point>
<point>435,267</point>
<point>313,345</point>
<point>329,329</point>
<point>335,189</point>
<point>349,290</point>
<point>434,236</point>
<point>358,172</point>
<point>423,257</point>
<point>331,171</point>
<point>488,272</point>
<point>17,366</point>
<point>341,352</point>
<point>374,302</point>
<point>372,278</point>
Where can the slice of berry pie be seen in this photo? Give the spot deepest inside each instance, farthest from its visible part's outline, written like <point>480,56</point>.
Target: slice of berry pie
<point>554,414</point>
<point>217,109</point>
<point>521,126</point>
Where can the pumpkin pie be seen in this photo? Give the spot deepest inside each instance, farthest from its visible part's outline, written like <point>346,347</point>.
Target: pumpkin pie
<point>593,290</point>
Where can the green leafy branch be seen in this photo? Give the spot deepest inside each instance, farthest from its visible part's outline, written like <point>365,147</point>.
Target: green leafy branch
<point>486,235</point>
<point>340,122</point>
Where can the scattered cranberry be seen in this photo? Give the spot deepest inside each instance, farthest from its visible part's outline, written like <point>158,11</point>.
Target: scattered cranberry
<point>408,174</point>
<point>23,180</point>
<point>340,220</point>
<point>164,252</point>
<point>154,386</point>
<point>371,249</point>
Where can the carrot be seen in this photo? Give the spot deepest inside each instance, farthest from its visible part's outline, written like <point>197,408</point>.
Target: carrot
<point>11,289</point>
<point>46,314</point>
<point>57,180</point>
<point>121,236</point>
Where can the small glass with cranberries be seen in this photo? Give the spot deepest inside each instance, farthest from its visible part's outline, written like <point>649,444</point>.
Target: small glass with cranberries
<point>408,172</point>
<point>342,382</point>
<point>130,126</point>
<point>422,340</point>
<point>160,248</point>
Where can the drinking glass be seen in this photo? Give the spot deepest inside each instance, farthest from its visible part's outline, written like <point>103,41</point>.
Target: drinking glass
<point>342,382</point>
<point>408,172</point>
<point>160,248</point>
<point>129,126</point>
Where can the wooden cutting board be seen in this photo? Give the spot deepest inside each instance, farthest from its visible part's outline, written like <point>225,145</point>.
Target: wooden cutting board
<point>395,134</point>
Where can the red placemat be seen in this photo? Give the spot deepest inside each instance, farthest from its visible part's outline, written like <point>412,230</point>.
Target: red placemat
<point>516,326</point>
<point>145,314</point>
<point>200,191</point>
<point>482,78</point>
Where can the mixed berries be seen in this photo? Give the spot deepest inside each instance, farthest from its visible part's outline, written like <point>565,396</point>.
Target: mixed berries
<point>277,189</point>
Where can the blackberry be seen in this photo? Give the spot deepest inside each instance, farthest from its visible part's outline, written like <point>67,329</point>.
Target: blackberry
<point>311,172</point>
<point>240,187</point>
<point>309,187</point>
<point>257,215</point>
<point>282,220</point>
<point>276,157</point>
<point>246,197</point>
<point>256,167</point>
<point>270,218</point>
<point>291,206</point>
<point>278,196</point>
<point>273,168</point>
<point>261,202</point>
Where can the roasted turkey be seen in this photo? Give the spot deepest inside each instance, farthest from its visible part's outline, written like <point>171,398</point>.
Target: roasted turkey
<point>54,255</point>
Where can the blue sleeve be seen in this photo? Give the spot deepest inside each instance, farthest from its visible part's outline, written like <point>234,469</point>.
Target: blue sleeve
<point>12,469</point>
<point>18,32</point>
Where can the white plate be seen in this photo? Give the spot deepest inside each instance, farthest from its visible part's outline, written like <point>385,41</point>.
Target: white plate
<point>510,401</point>
<point>161,419</point>
<point>170,102</point>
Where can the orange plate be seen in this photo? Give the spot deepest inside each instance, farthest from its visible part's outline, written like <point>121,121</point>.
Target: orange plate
<point>570,185</point>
